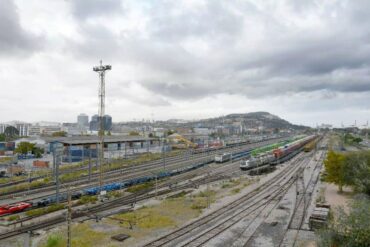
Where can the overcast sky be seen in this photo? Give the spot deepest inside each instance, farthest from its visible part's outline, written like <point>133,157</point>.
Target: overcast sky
<point>305,61</point>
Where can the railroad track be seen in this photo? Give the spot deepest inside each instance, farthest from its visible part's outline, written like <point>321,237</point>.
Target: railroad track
<point>229,168</point>
<point>119,202</point>
<point>119,175</point>
<point>303,200</point>
<point>229,212</point>
<point>249,229</point>
<point>183,156</point>
<point>95,175</point>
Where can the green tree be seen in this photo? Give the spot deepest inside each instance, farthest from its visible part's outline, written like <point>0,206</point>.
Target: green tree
<point>358,170</point>
<point>11,132</point>
<point>170,132</point>
<point>2,138</point>
<point>59,134</point>
<point>134,133</point>
<point>335,169</point>
<point>26,147</point>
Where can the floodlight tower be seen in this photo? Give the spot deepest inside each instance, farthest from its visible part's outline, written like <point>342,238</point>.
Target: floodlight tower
<point>101,71</point>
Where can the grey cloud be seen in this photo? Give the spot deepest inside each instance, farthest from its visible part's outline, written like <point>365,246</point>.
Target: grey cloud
<point>14,39</point>
<point>183,91</point>
<point>84,9</point>
<point>119,91</point>
<point>215,19</point>
<point>287,59</point>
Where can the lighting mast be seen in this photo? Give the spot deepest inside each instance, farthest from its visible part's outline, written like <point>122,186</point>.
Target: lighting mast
<point>101,71</point>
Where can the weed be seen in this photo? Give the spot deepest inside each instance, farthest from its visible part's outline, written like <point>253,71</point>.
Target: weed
<point>46,210</point>
<point>140,187</point>
<point>13,218</point>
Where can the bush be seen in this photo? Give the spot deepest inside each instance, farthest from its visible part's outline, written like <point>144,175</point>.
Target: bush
<point>235,191</point>
<point>87,199</point>
<point>199,204</point>
<point>349,229</point>
<point>140,187</point>
<point>114,194</point>
<point>55,241</point>
<point>13,218</point>
<point>41,211</point>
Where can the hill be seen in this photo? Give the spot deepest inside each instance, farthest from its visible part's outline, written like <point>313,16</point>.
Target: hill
<point>263,120</point>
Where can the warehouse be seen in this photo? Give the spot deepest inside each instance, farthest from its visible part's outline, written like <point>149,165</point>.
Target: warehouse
<point>77,148</point>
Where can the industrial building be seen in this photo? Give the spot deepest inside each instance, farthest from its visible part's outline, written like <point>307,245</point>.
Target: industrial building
<point>77,148</point>
<point>95,123</point>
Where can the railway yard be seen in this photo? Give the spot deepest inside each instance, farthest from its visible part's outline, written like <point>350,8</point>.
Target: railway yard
<point>192,201</point>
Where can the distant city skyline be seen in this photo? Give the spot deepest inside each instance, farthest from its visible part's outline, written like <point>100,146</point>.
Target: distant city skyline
<point>306,62</point>
<point>342,124</point>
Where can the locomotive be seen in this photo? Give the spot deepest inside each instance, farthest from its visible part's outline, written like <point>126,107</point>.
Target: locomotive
<point>15,208</point>
<point>220,158</point>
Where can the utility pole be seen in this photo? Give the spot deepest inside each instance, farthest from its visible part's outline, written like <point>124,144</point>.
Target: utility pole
<point>164,154</point>
<point>58,153</point>
<point>156,186</point>
<point>208,192</point>
<point>101,71</point>
<point>89,165</point>
<point>57,184</point>
<point>69,218</point>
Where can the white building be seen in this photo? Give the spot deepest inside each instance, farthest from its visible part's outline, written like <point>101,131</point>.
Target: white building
<point>23,129</point>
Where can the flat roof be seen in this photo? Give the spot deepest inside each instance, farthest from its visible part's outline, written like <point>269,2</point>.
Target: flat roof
<point>75,140</point>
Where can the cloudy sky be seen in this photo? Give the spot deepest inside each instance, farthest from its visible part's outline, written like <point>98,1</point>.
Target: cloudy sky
<point>305,61</point>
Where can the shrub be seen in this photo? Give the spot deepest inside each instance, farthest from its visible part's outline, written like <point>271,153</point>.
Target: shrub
<point>140,187</point>
<point>13,217</point>
<point>236,191</point>
<point>55,241</point>
<point>349,229</point>
<point>41,211</point>
<point>87,199</point>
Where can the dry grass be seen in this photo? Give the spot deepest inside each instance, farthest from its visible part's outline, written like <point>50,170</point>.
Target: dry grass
<point>234,186</point>
<point>82,236</point>
<point>146,218</point>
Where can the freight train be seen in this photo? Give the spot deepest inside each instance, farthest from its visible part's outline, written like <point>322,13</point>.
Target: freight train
<point>113,186</point>
<point>277,155</point>
<point>9,209</point>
